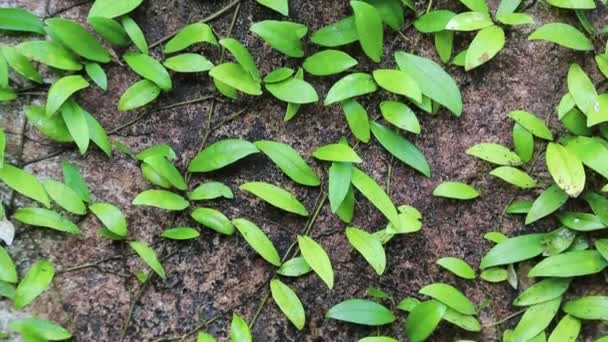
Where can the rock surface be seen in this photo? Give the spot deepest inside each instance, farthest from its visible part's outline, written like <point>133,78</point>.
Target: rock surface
<point>214,276</point>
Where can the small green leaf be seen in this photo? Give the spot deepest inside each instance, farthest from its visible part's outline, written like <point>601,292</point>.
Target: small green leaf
<point>226,90</point>
<point>161,150</point>
<point>239,330</point>
<point>149,256</point>
<point>486,44</point>
<point>575,4</point>
<point>221,154</point>
<point>536,319</point>
<point>532,123</point>
<point>566,169</point>
<point>357,119</point>
<point>515,19</point>
<point>138,95</point>
<point>339,33</point>
<point>469,21</point>
<point>76,123</point>
<point>361,311</point>
<point>278,75</point>
<point>455,190</point>
<point>288,302</point>
<point>549,201</point>
<point>276,196</point>
<point>235,76</point>
<point>257,239</point>
<point>567,329</point>
<point>375,194</point>
<point>513,250</point>
<point>33,329</point>
<point>349,86</point>
<point>369,246</point>
<point>544,290</point>
<point>401,148</point>
<point>588,308</point>
<point>67,198</point>
<point>391,12</point>
<point>570,264</point>
<point>557,241</point>
<point>398,82</point>
<point>167,170</point>
<point>281,6</point>
<point>599,205</point>
<point>377,339</point>
<point>328,62</point>
<point>111,217</point>
<point>494,153</point>
<point>190,35</point>
<point>135,34</point>
<point>77,38</point>
<point>466,322</point>
<point>283,36</point>
<point>423,320</point>
<point>17,19</point>
<point>457,266</point>
<point>514,176</point>
<point>180,233</point>
<point>476,5</point>
<point>110,30</point>
<point>433,21</point>
<point>50,53</point>
<point>97,133</point>
<point>209,191</point>
<point>598,113</point>
<point>494,274</point>
<point>444,44</point>
<point>188,62</point>
<point>213,219</point>
<point>204,337</point>
<point>581,88</point>
<point>450,296</point>
<point>36,281</point>
<point>591,151</point>
<point>369,29</point>
<point>61,90</point>
<point>340,175</point>
<point>96,73</point>
<point>289,161</point>
<point>20,63</point>
<point>24,183</point>
<point>294,267</point>
<point>73,179</point>
<point>8,272</point>
<point>112,9</point>
<point>293,90</point>
<point>149,68</point>
<point>161,199</point>
<point>564,35</point>
<point>337,153</point>
<point>317,259</point>
<point>400,115</point>
<point>583,222</point>
<point>242,56</point>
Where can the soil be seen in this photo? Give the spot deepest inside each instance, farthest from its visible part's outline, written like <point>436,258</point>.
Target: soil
<point>214,275</point>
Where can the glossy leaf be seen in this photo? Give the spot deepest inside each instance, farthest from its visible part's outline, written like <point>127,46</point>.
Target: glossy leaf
<point>532,123</point>
<point>591,151</point>
<point>239,330</point>
<point>549,201</point>
<point>564,35</point>
<point>278,75</point>
<point>67,198</point>
<point>293,90</point>
<point>457,266</point>
<point>328,62</point>
<point>283,36</point>
<point>588,308</point>
<point>276,196</point>
<point>257,239</point>
<point>33,329</point>
<point>581,221</point>
<point>180,233</point>
<point>110,30</point>
<point>581,88</point>
<point>20,63</point>
<point>369,246</point>
<point>401,148</point>
<point>544,290</point>
<point>236,77</point>
<point>167,170</point>
<point>288,302</point>
<point>444,44</point>
<point>188,62</point>
<point>96,73</point>
<point>221,154</point>
<point>515,19</point>
<point>339,33</point>
<point>52,127</point>
<point>494,153</point>
<point>400,115</point>
<point>469,21</point>
<point>375,194</point>
<point>209,191</point>
<point>369,29</point>
<point>138,95</point>
<point>349,86</point>
<point>570,264</point>
<point>24,183</point>
<point>242,56</point>
<point>575,4</point>
<point>357,119</point>
<point>536,319</point>
<point>190,35</point>
<point>135,34</point>
<point>524,142</point>
<point>213,219</point>
<point>340,175</point>
<point>566,330</point>
<point>161,199</point>
<point>37,280</point>
<point>294,267</point>
<point>599,205</point>
<point>598,113</point>
<point>111,217</point>
<point>513,250</point>
<point>514,176</point>
<point>361,311</point>
<point>61,90</point>
<point>76,124</point>
<point>566,169</point>
<point>149,68</point>
<point>8,272</point>
<point>50,53</point>
<point>289,161</point>
<point>486,44</point>
<point>149,256</point>
<point>111,9</point>
<point>17,19</point>
<point>433,21</point>
<point>466,322</point>
<point>450,296</point>
<point>455,190</point>
<point>423,320</point>
<point>317,259</point>
<point>281,6</point>
<point>337,153</point>
<point>494,274</point>
<point>77,39</point>
<point>398,82</point>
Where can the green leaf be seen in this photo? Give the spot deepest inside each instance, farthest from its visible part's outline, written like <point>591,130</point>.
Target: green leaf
<point>455,190</point>
<point>457,266</point>
<point>576,4</point>
<point>96,73</point>
<point>161,199</point>
<point>432,80</point>
<point>135,33</point>
<point>450,296</point>
<point>357,119</point>
<point>515,19</point>
<point>340,175</point>
<point>24,183</point>
<point>564,35</point>
<point>190,35</point>
<point>293,90</point>
<point>36,329</point>
<point>400,115</point>
<point>570,264</point>
<point>288,302</point>
<point>494,275</point>
<point>67,198</point>
<point>8,272</point>
<point>566,169</point>
<point>111,9</point>
<point>278,75</point>
<point>283,36</point>
<point>567,329</point>
<point>257,239</point>
<point>161,150</point>
<point>602,64</point>
<point>581,88</point>
<point>391,12</point>
<point>46,218</point>
<point>209,191</point>
<point>514,176</point>
<point>276,196</point>
<point>20,63</point>
<point>401,148</point>
<point>17,19</point>
<point>576,122</point>
<point>375,194</point>
<point>294,267</point>
<point>369,29</point>
<point>188,62</point>
<point>213,219</point>
<point>149,68</point>
<point>598,113</point>
<point>242,56</point>
<point>37,279</point>
<point>149,256</point>
<point>591,151</point>
<point>580,221</point>
<point>466,322</point>
<point>476,5</point>
<point>557,241</point>
<point>225,89</point>
<point>316,257</point>
<point>337,153</point>
<point>494,153</point>
<point>589,308</point>
<point>97,133</point>
<point>77,38</point>
<point>361,311</point>
<point>4,73</point>
<point>61,90</point>
<point>377,339</point>
<point>496,237</point>
<point>239,330</point>
<point>469,21</point>
<point>50,53</point>
<point>532,123</point>
<point>544,290</point>
<point>138,95</point>
<point>110,30</point>
<point>433,21</point>
<point>167,170</point>
<point>349,86</point>
<point>180,233</point>
<point>398,82</point>
<point>369,246</point>
<point>289,161</point>
<point>281,6</point>
<point>235,76</point>
<point>423,320</point>
<point>444,44</point>
<point>204,337</point>
<point>73,179</point>
<point>549,201</point>
<point>221,154</point>
<point>328,62</point>
<point>486,44</point>
<point>111,217</point>
<point>599,205</point>
<point>339,33</point>
<point>536,319</point>
<point>2,150</point>
<point>513,250</point>
<point>76,123</point>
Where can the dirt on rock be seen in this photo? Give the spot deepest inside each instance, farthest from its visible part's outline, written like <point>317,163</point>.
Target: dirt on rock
<point>214,275</point>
